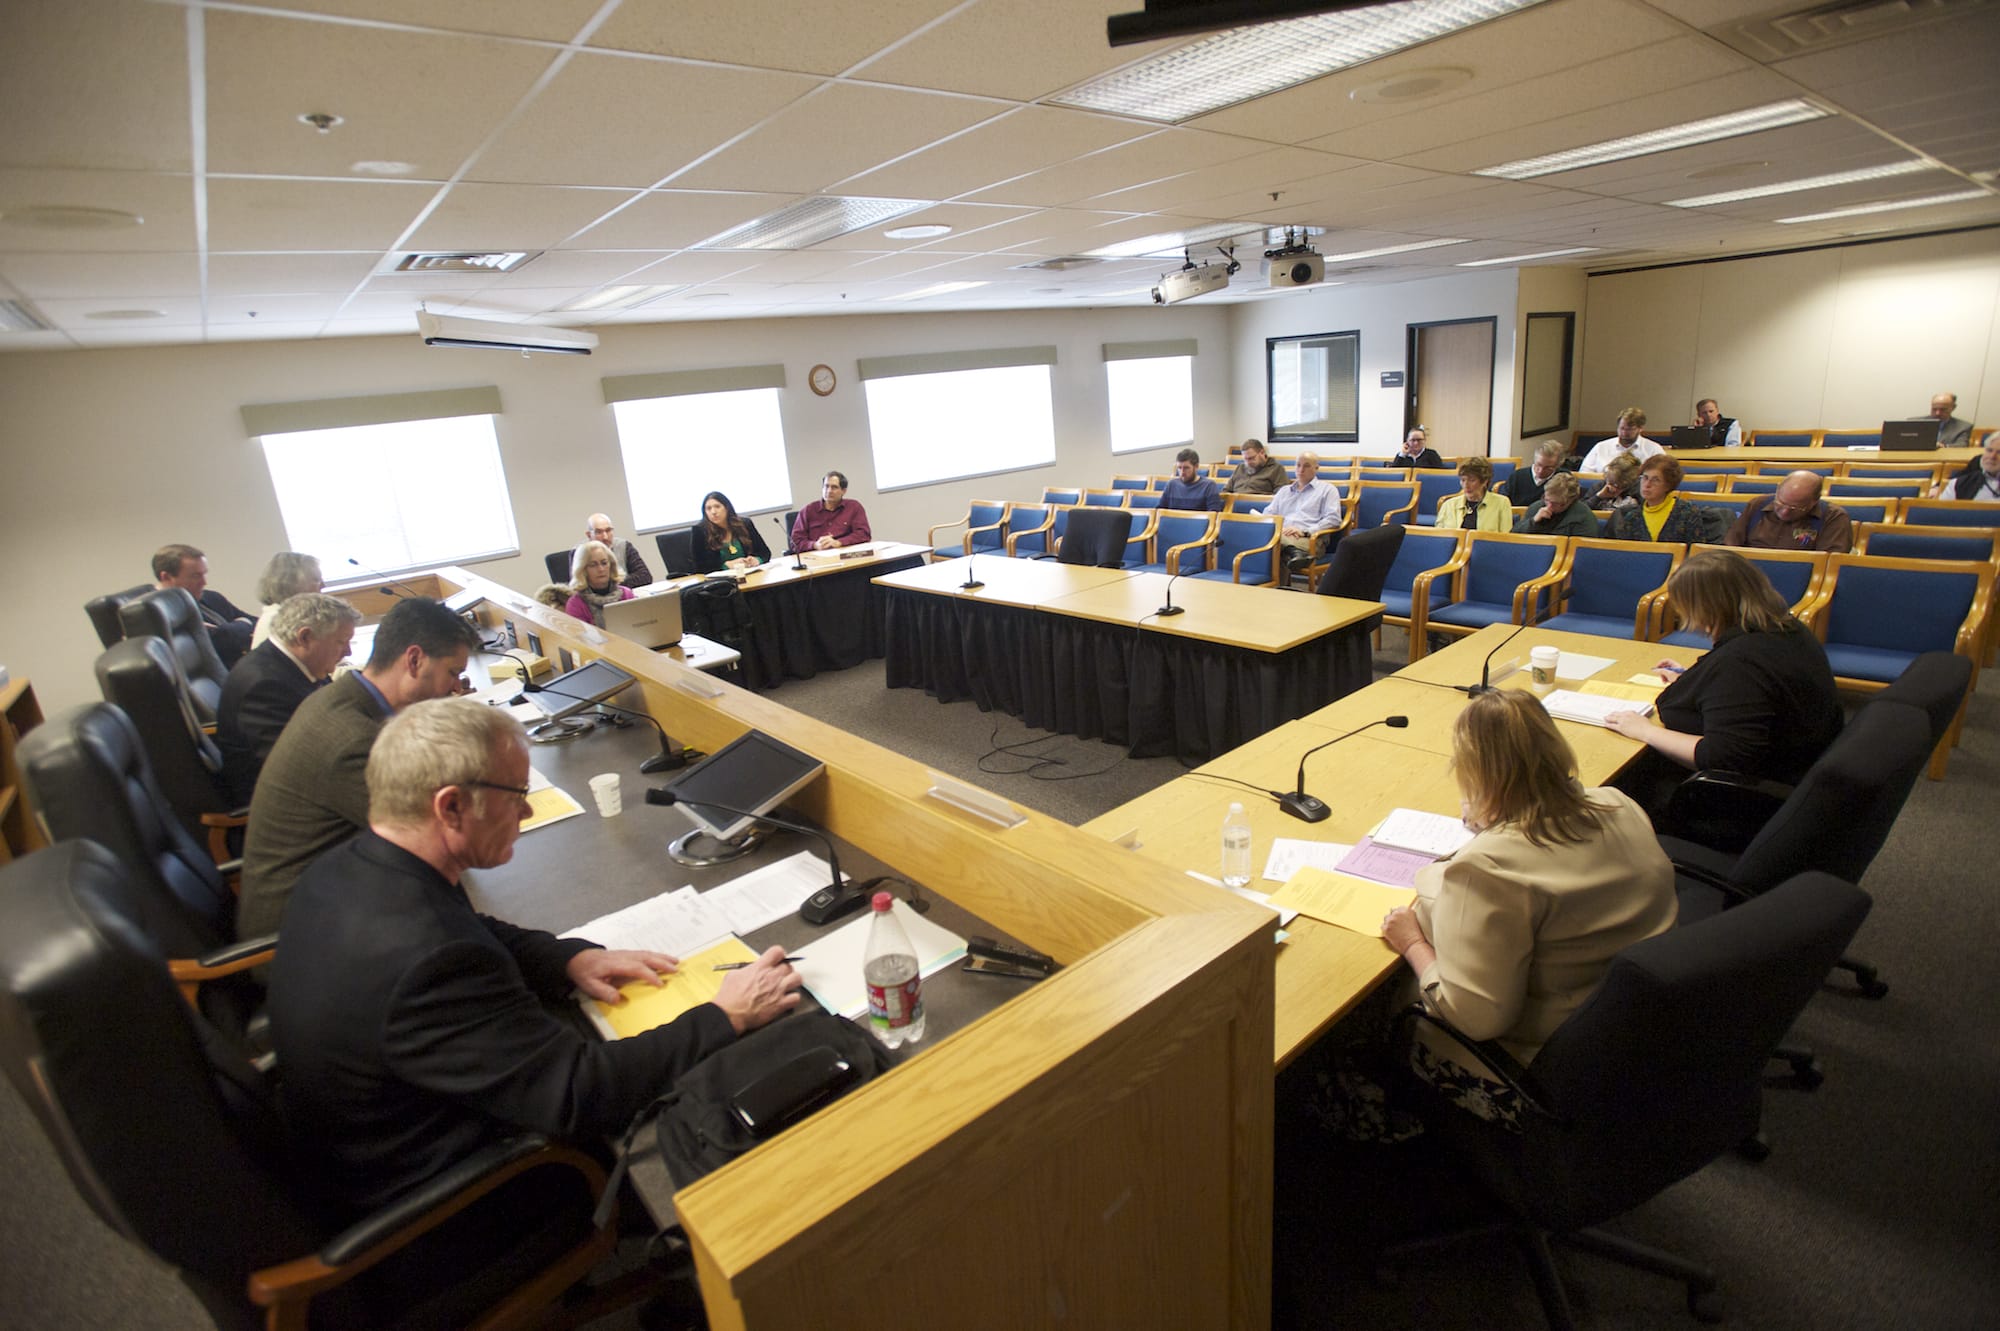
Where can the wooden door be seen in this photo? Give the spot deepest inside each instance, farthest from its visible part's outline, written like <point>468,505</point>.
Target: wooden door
<point>1451,385</point>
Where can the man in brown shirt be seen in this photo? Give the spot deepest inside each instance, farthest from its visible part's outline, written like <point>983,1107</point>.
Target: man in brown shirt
<point>1795,518</point>
<point>1258,475</point>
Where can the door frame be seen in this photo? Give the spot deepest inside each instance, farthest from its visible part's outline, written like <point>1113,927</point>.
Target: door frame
<point>1410,332</point>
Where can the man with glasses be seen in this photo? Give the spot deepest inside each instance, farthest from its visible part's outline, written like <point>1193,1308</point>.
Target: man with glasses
<point>1794,518</point>
<point>598,528</point>
<point>412,1029</point>
<point>834,521</point>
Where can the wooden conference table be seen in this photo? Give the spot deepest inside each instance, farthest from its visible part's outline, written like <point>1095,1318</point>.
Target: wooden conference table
<point>1324,970</point>
<point>1100,1143</point>
<point>1085,651</point>
<point>1957,457</point>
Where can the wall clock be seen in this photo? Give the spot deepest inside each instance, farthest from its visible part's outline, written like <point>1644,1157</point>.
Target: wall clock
<point>821,379</point>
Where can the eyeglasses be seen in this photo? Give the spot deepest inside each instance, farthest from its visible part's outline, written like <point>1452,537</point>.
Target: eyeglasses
<point>519,792</point>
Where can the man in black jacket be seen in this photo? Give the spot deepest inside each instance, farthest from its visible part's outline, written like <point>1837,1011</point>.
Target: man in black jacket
<point>411,1028</point>
<point>229,628</point>
<point>310,635</point>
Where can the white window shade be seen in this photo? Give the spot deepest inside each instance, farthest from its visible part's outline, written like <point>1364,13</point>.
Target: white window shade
<point>940,426</point>
<point>678,448</point>
<point>1152,402</point>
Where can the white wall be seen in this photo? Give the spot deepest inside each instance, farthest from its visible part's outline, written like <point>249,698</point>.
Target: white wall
<point>1834,338</point>
<point>107,455</point>
<point>1382,314</point>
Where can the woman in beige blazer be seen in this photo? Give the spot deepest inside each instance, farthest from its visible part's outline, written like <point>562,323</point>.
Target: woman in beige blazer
<point>1511,934</point>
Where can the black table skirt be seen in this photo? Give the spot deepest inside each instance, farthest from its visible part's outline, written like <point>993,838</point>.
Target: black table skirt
<point>1157,692</point>
<point>832,622</point>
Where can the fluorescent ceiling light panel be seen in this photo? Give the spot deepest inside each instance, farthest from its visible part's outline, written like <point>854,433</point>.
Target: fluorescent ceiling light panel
<point>1810,182</point>
<point>1753,121</point>
<point>1523,258</point>
<point>622,297</point>
<point>1860,209</point>
<point>935,289</point>
<point>1393,249</point>
<point>1169,244</point>
<point>810,221</point>
<point>1243,63</point>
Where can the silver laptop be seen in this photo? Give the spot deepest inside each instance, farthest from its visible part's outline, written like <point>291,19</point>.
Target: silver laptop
<point>650,620</point>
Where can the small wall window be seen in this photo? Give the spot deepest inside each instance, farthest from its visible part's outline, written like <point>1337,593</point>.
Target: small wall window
<point>1315,388</point>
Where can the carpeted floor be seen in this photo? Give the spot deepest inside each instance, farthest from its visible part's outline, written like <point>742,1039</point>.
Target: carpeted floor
<point>1878,1208</point>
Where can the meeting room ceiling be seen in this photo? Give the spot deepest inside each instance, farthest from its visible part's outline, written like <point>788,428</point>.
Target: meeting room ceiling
<point>186,171</point>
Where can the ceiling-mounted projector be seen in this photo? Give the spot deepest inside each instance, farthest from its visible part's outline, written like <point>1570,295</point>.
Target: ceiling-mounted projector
<point>441,330</point>
<point>1190,282</point>
<point>1295,263</point>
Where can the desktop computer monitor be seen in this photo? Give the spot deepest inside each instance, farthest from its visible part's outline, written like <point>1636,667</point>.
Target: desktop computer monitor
<point>566,695</point>
<point>752,772</point>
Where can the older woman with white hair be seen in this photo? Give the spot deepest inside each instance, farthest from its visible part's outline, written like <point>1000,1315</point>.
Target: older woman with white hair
<point>288,574</point>
<point>596,580</point>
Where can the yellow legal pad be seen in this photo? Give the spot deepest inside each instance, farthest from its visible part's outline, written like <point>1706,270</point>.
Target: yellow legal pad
<point>550,804</point>
<point>695,983</point>
<point>1633,690</point>
<point>1351,903</point>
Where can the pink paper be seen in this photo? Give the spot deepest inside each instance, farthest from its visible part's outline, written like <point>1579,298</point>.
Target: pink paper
<point>1384,864</point>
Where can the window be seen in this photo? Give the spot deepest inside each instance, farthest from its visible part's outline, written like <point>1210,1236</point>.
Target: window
<point>679,448</point>
<point>388,496</point>
<point>1315,384</point>
<point>956,414</point>
<point>1151,386</point>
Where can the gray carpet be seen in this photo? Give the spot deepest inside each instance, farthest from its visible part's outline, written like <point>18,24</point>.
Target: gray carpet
<point>1879,1207</point>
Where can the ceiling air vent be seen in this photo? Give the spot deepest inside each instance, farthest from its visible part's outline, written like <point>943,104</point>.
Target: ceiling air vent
<point>1823,27</point>
<point>1061,265</point>
<point>19,317</point>
<point>496,261</point>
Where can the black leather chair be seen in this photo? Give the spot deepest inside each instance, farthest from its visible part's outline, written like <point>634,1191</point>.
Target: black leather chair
<point>1659,1072</point>
<point>171,614</point>
<point>1361,563</point>
<point>558,564</point>
<point>1833,821</point>
<point>1096,537</point>
<point>174,1141</point>
<point>142,679</point>
<point>103,612</point>
<point>676,551</point>
<point>87,777</point>
<point>1936,684</point>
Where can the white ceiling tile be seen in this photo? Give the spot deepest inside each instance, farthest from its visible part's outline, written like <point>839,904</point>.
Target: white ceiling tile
<point>512,217</point>
<point>94,83</point>
<point>266,310</point>
<point>548,20</point>
<point>1263,169</point>
<point>289,273</point>
<point>999,150</point>
<point>837,131</point>
<point>620,120</point>
<point>261,332</point>
<point>75,314</point>
<point>1142,161</point>
<point>91,275</point>
<point>676,219</point>
<point>773,34</point>
<point>1023,49</point>
<point>407,97</point>
<point>163,203</point>
<point>578,269</point>
<point>309,215</point>
<point>962,218</point>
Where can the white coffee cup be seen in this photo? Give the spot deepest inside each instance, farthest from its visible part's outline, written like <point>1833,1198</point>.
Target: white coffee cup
<point>1542,668</point>
<point>604,789</point>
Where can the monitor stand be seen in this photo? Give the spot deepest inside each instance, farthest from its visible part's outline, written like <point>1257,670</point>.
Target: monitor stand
<point>696,849</point>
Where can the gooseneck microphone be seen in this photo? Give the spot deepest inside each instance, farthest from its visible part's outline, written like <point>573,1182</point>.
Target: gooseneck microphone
<point>1485,684</point>
<point>378,573</point>
<point>828,903</point>
<point>666,760</point>
<point>1310,808</point>
<point>971,584</point>
<point>1170,609</point>
<point>798,556</point>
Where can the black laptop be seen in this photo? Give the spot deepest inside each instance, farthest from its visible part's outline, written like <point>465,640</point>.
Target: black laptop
<point>1918,436</point>
<point>1691,436</point>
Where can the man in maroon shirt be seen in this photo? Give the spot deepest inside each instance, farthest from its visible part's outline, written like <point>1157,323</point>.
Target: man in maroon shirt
<point>835,521</point>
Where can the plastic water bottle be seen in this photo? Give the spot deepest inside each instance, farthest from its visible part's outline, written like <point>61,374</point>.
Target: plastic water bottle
<point>895,988</point>
<point>1236,847</point>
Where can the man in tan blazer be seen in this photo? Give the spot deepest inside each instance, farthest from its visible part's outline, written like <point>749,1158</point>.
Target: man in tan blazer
<point>312,794</point>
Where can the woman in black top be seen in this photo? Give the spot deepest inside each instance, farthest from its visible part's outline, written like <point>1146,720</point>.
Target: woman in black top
<point>723,540</point>
<point>1761,703</point>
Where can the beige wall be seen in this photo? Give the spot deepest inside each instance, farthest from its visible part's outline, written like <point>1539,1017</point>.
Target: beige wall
<point>1833,338</point>
<point>107,455</point>
<point>1382,314</point>
<point>1545,291</point>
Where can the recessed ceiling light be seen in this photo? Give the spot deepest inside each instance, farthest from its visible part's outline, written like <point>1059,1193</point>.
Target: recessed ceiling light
<point>126,314</point>
<point>709,295</point>
<point>58,217</point>
<point>323,121</point>
<point>1806,183</point>
<point>383,168</point>
<point>812,220</point>
<point>1243,63</point>
<point>935,289</point>
<point>1392,249</point>
<point>1523,258</point>
<point>1411,85</point>
<point>925,231</point>
<point>1755,120</point>
<point>1861,209</point>
<point>624,297</point>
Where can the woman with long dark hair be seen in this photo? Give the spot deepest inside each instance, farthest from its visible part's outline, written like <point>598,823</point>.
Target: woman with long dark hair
<point>723,540</point>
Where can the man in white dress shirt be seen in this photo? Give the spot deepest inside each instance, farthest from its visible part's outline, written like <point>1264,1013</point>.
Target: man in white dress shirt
<point>1306,506</point>
<point>1627,441</point>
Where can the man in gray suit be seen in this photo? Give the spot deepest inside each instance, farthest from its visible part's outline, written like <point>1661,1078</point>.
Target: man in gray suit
<point>312,794</point>
<point>1952,432</point>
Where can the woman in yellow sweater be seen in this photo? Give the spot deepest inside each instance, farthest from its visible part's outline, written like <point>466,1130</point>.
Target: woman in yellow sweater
<point>1477,506</point>
<point>1660,514</point>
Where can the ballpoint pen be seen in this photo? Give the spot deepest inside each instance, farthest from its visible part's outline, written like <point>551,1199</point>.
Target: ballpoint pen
<point>739,965</point>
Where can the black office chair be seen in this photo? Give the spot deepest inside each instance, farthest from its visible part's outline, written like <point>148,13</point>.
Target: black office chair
<point>1935,684</point>
<point>1834,821</point>
<point>558,564</point>
<point>141,677</point>
<point>1096,537</point>
<point>175,1142</point>
<point>170,613</point>
<point>88,779</point>
<point>103,612</point>
<point>676,551</point>
<point>1658,1073</point>
<point>1361,562</point>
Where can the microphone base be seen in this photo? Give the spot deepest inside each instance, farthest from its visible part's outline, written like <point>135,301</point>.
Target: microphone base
<point>698,850</point>
<point>1306,808</point>
<point>670,762</point>
<point>1167,611</point>
<point>1474,690</point>
<point>970,585</point>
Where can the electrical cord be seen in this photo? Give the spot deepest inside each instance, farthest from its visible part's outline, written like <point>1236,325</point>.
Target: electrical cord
<point>1036,761</point>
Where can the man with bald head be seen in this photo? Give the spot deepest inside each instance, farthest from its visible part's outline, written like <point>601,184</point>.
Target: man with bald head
<point>598,528</point>
<point>1952,432</point>
<point>1795,518</point>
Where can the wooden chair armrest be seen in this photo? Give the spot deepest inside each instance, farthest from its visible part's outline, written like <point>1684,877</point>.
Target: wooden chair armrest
<point>1528,595</point>
<point>931,538</point>
<point>1047,523</point>
<point>1420,602</point>
<point>1408,511</point>
<point>1173,559</point>
<point>190,973</point>
<point>1267,548</point>
<point>219,826</point>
